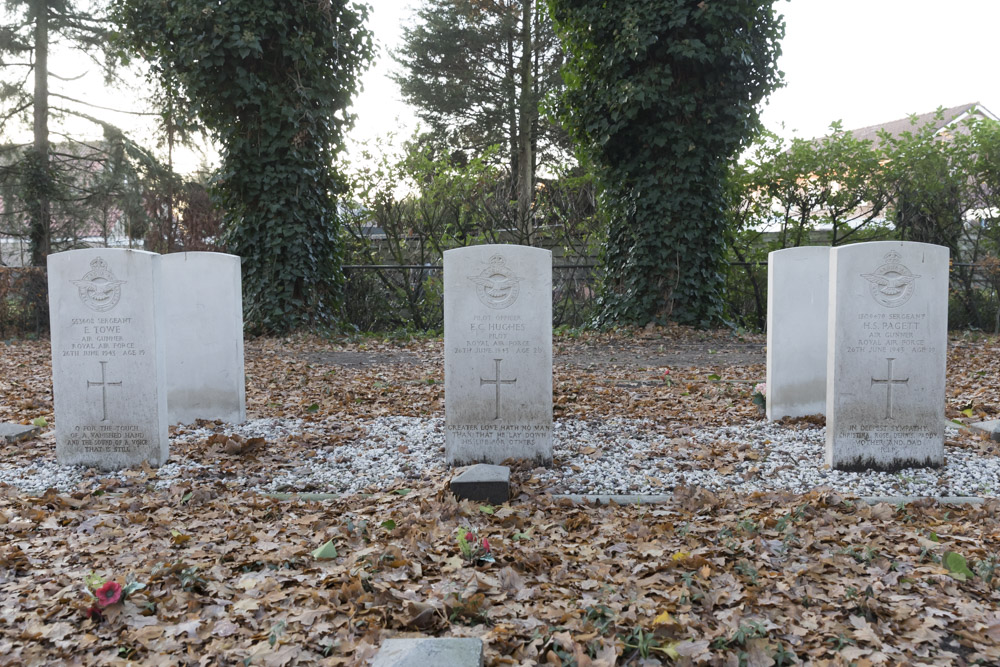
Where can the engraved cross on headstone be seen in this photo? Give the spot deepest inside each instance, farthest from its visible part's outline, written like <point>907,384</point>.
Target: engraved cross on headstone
<point>888,382</point>
<point>497,382</point>
<point>103,384</point>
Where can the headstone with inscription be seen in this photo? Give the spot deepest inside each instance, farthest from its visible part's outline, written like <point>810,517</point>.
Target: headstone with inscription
<point>498,354</point>
<point>798,285</point>
<point>203,314</point>
<point>887,350</point>
<point>107,358</point>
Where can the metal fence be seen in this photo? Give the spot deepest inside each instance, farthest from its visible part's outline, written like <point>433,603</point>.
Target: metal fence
<point>24,302</point>
<point>392,297</point>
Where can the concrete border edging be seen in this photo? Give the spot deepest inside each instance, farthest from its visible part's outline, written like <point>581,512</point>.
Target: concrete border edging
<point>868,500</point>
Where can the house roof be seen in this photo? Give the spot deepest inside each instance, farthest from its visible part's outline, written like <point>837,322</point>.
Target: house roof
<point>952,116</point>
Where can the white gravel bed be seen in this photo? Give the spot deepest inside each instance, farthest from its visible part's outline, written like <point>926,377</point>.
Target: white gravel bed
<point>608,456</point>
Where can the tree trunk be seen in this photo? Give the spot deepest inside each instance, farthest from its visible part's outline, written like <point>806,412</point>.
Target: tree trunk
<point>526,114</point>
<point>41,242</point>
<point>510,92</point>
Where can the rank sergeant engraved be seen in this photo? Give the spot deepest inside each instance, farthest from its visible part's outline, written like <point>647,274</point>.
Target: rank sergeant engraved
<point>886,356</point>
<point>498,354</point>
<point>107,358</point>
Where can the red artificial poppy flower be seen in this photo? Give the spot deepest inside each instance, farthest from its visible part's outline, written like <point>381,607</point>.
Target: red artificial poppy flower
<point>109,593</point>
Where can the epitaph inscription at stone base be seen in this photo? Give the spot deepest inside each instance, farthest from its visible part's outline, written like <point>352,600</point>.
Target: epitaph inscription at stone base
<point>887,354</point>
<point>798,288</point>
<point>498,354</point>
<point>107,358</point>
<point>203,311</point>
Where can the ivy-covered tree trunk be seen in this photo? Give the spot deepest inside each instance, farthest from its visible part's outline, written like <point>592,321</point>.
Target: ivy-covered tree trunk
<point>662,94</point>
<point>272,80</point>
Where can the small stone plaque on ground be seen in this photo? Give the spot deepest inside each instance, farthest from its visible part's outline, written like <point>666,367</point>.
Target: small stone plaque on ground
<point>203,315</point>
<point>430,652</point>
<point>483,482</point>
<point>798,286</point>
<point>887,354</point>
<point>498,354</point>
<point>16,432</point>
<point>108,370</point>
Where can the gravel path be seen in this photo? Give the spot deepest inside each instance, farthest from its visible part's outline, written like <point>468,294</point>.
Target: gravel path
<point>607,456</point>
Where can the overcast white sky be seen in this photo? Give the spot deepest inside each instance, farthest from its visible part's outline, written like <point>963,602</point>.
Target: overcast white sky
<point>860,61</point>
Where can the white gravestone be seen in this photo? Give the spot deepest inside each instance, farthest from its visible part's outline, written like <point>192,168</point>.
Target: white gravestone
<point>798,286</point>
<point>203,313</point>
<point>498,354</point>
<point>108,358</point>
<point>887,350</point>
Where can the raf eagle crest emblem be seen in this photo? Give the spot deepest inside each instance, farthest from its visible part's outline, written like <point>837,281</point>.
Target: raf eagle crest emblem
<point>497,287</point>
<point>891,284</point>
<point>99,289</point>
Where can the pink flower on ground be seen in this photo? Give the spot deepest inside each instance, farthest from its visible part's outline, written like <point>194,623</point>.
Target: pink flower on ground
<point>109,593</point>
<point>486,545</point>
<point>469,537</point>
<point>93,613</point>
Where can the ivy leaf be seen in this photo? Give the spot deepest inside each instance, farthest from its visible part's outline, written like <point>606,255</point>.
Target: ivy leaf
<point>956,564</point>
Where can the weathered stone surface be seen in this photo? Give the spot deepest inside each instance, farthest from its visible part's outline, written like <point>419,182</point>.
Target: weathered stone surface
<point>498,354</point>
<point>108,374</point>
<point>798,286</point>
<point>203,315</point>
<point>990,428</point>
<point>430,652</point>
<point>483,482</point>
<point>16,432</point>
<point>887,352</point>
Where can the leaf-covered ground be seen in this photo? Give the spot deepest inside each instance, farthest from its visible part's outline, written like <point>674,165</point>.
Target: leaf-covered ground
<point>215,575</point>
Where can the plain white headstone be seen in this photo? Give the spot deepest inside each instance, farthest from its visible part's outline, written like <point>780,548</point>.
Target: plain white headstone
<point>108,371</point>
<point>887,352</point>
<point>203,312</point>
<point>798,288</point>
<point>498,354</point>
